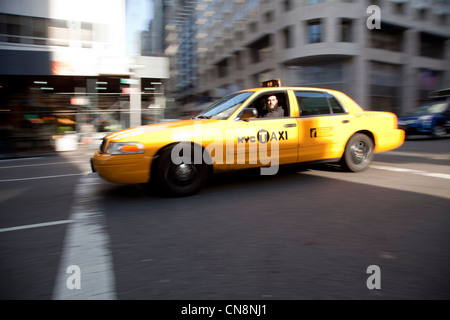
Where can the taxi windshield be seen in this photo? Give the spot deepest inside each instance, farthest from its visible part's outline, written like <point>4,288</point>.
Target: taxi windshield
<point>223,108</point>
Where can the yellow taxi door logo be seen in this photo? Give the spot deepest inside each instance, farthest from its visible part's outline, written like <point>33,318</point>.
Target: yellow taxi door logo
<point>263,136</point>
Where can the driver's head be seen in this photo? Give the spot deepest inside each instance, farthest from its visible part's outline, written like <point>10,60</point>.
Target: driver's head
<point>272,102</point>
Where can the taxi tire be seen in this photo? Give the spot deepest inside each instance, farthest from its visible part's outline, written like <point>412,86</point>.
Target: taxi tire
<point>183,179</point>
<point>358,154</point>
<point>438,131</point>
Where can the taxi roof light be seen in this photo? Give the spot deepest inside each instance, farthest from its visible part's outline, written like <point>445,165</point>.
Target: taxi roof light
<point>272,83</point>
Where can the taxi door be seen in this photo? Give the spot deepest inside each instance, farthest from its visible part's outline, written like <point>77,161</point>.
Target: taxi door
<point>324,126</point>
<point>262,141</point>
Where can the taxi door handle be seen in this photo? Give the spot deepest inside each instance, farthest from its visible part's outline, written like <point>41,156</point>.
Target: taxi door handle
<point>290,125</point>
<point>345,121</point>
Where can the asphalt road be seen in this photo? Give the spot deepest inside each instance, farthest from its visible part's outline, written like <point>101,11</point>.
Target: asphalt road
<point>306,233</point>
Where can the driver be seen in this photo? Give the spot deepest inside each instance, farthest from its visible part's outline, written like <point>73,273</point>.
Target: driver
<point>273,110</point>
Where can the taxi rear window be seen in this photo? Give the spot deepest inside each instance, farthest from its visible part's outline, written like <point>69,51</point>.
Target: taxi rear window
<point>317,103</point>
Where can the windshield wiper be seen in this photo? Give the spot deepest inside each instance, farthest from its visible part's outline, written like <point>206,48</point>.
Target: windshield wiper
<point>202,117</point>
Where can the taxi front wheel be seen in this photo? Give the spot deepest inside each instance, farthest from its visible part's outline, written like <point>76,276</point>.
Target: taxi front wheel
<point>179,174</point>
<point>358,154</point>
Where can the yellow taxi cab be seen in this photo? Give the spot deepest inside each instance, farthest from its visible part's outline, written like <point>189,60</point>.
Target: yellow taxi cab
<point>263,127</point>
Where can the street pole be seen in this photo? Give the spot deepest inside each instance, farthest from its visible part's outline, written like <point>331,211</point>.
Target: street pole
<point>135,101</point>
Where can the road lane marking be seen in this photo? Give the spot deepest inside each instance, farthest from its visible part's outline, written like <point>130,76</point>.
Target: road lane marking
<point>396,169</point>
<point>86,246</point>
<point>19,159</point>
<point>44,177</point>
<point>437,175</point>
<point>419,172</point>
<point>432,186</point>
<point>36,225</point>
<point>434,156</point>
<point>39,164</point>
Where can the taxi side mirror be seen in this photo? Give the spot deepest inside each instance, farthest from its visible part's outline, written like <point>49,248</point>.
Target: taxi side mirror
<point>249,113</point>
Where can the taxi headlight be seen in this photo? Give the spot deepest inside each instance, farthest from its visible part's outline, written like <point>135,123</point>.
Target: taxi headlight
<point>115,148</point>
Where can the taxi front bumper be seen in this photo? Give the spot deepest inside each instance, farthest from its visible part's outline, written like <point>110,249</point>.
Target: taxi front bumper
<point>126,169</point>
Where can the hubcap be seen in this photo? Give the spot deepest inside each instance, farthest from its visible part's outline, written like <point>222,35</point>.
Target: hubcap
<point>359,152</point>
<point>184,172</point>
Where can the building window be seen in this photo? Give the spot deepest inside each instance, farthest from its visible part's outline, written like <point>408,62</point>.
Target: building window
<point>399,8</point>
<point>287,5</point>
<point>43,31</point>
<point>228,43</point>
<point>26,29</point>
<point>385,85</point>
<point>261,49</point>
<point>222,68</point>
<point>269,16</point>
<point>86,34</point>
<point>58,33</point>
<point>346,30</point>
<point>40,31</point>
<point>13,28</point>
<point>238,60</point>
<point>422,14</point>
<point>315,31</point>
<point>253,27</point>
<point>318,74</point>
<point>239,36</point>
<point>432,45</point>
<point>389,37</point>
<point>429,80</point>
<point>288,40</point>
<point>443,20</point>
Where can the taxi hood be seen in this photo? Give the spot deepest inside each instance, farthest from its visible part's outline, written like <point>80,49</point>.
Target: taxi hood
<point>165,127</point>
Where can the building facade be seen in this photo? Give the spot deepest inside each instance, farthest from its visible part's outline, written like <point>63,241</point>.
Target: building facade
<point>64,67</point>
<point>386,54</point>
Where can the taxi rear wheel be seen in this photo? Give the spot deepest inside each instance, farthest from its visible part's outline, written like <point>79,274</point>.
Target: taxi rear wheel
<point>179,174</point>
<point>358,153</point>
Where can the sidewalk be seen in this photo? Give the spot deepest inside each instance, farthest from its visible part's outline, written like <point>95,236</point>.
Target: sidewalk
<point>47,152</point>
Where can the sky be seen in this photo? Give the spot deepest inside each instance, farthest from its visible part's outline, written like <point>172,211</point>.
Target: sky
<point>139,14</point>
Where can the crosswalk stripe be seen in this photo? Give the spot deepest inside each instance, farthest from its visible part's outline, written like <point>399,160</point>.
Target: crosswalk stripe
<point>86,248</point>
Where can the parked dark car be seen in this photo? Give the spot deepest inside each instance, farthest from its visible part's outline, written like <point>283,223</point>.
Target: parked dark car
<point>432,119</point>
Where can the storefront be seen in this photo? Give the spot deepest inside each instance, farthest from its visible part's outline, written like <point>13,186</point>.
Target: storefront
<point>37,111</point>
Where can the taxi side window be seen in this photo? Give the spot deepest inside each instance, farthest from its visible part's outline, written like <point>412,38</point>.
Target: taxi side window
<point>318,103</point>
<point>312,103</point>
<point>336,107</point>
<point>283,102</point>
<point>260,103</point>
